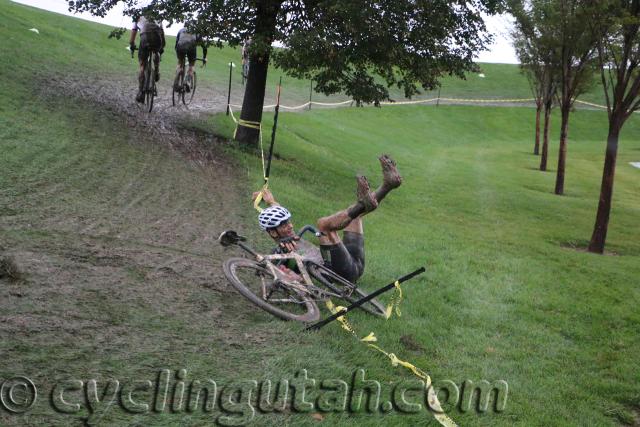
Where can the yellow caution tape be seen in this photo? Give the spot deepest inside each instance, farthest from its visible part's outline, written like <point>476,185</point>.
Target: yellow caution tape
<point>254,125</point>
<point>395,302</point>
<point>256,202</point>
<point>434,403</point>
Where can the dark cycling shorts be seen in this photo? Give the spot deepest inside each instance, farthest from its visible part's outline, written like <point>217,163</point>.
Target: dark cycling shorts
<point>347,257</point>
<point>149,41</point>
<point>188,50</point>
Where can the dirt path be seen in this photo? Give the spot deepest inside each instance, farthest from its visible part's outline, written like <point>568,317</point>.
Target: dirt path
<point>126,278</point>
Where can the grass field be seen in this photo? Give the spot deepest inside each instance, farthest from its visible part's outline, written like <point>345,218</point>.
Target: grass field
<point>115,234</point>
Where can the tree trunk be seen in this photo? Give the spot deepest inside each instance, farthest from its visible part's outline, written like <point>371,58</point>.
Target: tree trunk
<point>545,137</point>
<point>599,235</point>
<point>562,155</point>
<point>536,147</point>
<point>253,100</point>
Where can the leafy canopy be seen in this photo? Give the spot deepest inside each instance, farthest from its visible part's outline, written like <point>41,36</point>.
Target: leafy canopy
<point>359,47</point>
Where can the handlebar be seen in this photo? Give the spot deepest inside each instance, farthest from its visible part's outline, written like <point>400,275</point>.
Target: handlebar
<point>309,228</point>
<point>306,228</point>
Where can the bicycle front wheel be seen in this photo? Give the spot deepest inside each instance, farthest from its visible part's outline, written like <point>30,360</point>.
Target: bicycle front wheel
<point>348,291</point>
<point>261,287</point>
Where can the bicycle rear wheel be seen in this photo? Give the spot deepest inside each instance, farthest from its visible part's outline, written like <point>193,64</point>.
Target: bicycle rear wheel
<point>187,98</point>
<point>261,287</point>
<point>150,82</point>
<point>349,291</point>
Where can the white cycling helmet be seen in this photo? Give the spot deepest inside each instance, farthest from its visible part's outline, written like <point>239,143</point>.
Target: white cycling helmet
<point>273,216</point>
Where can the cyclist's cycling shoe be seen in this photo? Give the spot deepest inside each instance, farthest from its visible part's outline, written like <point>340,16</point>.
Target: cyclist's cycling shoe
<point>187,88</point>
<point>364,194</point>
<point>157,75</point>
<point>391,176</point>
<point>140,97</point>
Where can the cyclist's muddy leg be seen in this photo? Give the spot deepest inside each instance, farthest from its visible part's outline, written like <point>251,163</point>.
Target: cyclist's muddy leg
<point>355,226</point>
<point>179,68</point>
<point>367,200</point>
<point>190,70</point>
<point>391,177</point>
<point>343,219</point>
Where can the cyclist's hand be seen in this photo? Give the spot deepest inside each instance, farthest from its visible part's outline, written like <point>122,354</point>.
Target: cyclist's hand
<point>268,197</point>
<point>289,244</point>
<point>161,51</point>
<point>204,62</point>
<point>132,47</point>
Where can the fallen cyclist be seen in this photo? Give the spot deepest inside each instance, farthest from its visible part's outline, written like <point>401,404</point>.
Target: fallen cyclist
<point>345,256</point>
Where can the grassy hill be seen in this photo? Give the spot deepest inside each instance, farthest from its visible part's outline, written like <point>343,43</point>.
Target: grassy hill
<point>115,234</point>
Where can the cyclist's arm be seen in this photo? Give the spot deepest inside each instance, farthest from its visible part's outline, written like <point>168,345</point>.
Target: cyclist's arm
<point>134,32</point>
<point>164,42</point>
<point>132,39</point>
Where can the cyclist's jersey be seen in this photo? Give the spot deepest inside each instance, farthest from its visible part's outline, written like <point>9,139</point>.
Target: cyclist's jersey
<point>144,25</point>
<point>185,39</point>
<point>308,251</point>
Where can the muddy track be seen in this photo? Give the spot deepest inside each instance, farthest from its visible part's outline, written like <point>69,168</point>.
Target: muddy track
<point>130,273</point>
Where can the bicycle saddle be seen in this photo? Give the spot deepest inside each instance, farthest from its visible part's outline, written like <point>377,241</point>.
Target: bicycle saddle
<point>230,237</point>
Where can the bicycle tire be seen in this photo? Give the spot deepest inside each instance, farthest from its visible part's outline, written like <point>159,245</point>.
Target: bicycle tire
<point>150,81</point>
<point>231,267</point>
<point>193,90</point>
<point>337,284</point>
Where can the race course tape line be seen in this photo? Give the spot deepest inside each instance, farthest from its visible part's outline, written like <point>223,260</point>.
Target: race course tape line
<point>253,125</point>
<point>370,339</point>
<point>420,101</point>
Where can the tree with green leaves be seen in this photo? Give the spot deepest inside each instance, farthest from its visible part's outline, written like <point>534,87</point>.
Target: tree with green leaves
<point>618,21</point>
<point>357,47</point>
<point>568,23</point>
<point>538,61</point>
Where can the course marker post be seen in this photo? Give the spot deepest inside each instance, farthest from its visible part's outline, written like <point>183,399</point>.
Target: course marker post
<point>229,91</point>
<point>310,91</point>
<point>273,130</point>
<point>361,301</point>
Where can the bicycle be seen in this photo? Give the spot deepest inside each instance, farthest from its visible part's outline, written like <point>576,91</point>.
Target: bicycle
<point>274,290</point>
<point>185,85</point>
<point>149,86</point>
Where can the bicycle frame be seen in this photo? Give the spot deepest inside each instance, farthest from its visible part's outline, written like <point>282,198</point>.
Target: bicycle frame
<point>306,287</point>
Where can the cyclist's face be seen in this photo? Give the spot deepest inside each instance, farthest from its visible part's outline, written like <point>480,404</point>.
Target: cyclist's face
<point>283,230</point>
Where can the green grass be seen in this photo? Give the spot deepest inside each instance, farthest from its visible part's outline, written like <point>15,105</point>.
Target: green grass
<point>505,295</point>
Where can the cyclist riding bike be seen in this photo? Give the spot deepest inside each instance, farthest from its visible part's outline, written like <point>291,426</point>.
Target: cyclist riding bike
<point>345,256</point>
<point>186,46</point>
<point>151,39</point>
